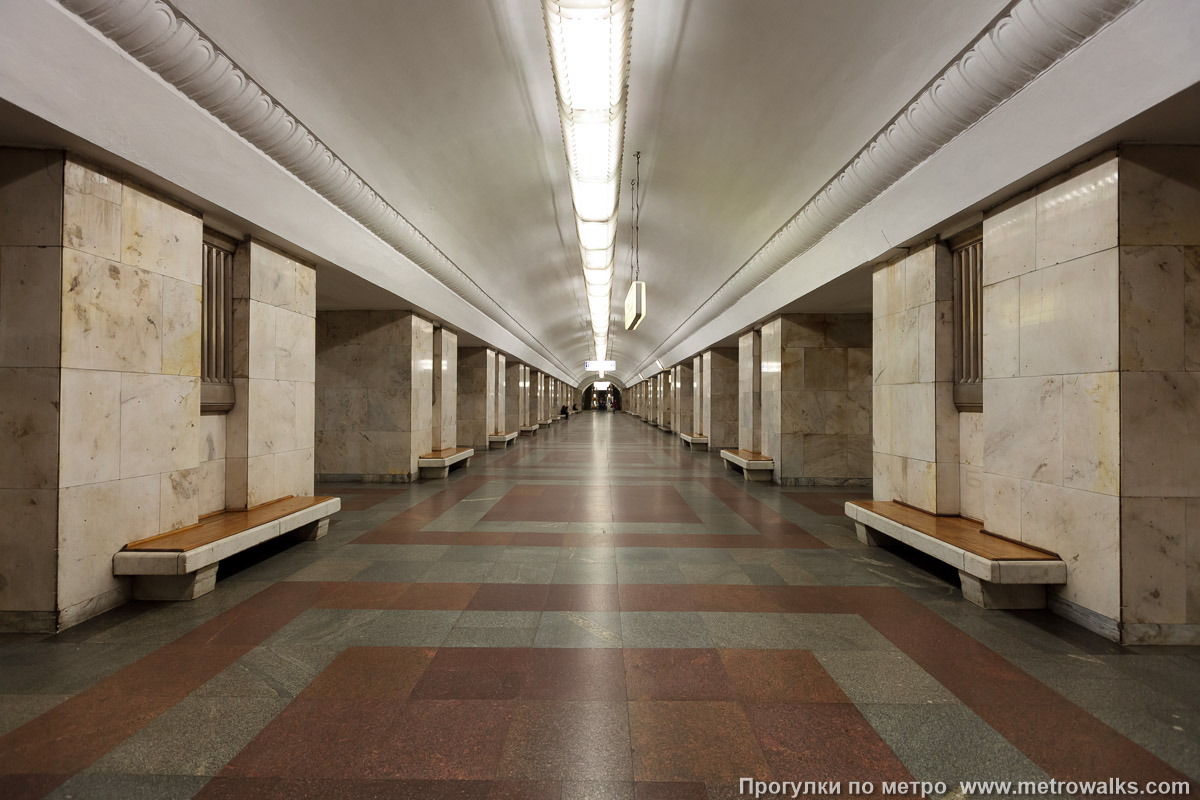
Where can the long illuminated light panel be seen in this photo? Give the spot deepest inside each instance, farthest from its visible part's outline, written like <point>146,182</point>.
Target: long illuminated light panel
<point>589,52</point>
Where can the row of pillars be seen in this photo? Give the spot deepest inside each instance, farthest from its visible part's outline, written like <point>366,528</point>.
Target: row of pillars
<point>392,388</point>
<point>796,390</point>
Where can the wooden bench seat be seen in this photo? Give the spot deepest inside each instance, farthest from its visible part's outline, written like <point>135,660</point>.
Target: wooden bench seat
<point>182,564</point>
<point>499,441</point>
<point>754,466</point>
<point>437,464</point>
<point>995,572</point>
<point>696,441</point>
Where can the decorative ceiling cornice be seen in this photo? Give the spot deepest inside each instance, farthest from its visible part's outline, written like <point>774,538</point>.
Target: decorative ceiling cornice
<point>152,32</point>
<point>1030,39</point>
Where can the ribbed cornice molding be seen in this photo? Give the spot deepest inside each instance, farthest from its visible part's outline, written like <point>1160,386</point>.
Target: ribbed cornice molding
<point>1034,36</point>
<point>154,34</point>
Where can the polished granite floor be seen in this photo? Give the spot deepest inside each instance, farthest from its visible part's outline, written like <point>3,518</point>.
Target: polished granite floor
<point>596,612</point>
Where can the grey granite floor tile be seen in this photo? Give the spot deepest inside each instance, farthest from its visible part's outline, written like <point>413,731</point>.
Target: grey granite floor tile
<point>579,629</point>
<point>664,629</point>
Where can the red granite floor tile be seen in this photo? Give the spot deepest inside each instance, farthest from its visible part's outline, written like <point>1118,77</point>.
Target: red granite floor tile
<point>454,740</point>
<point>223,788</point>
<point>537,540</point>
<point>575,674</point>
<point>644,790</point>
<point>736,598</point>
<point>650,504</point>
<point>656,597</point>
<point>693,741</point>
<point>510,597</point>
<point>579,741</point>
<point>494,538</point>
<point>73,734</point>
<point>583,597</point>
<point>438,596</point>
<point>824,742</point>
<point>676,674</point>
<point>525,790</point>
<point>474,673</point>
<point>780,676</point>
<point>1054,733</point>
<point>361,594</point>
<point>385,674</point>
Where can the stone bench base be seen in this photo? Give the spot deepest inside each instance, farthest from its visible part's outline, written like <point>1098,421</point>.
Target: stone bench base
<point>187,574</point>
<point>754,467</point>
<point>499,441</point>
<point>529,430</point>
<point>695,440</point>
<point>438,463</point>
<point>994,572</point>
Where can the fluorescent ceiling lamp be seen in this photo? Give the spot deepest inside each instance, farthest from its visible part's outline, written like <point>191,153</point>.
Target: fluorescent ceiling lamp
<point>597,235</point>
<point>589,53</point>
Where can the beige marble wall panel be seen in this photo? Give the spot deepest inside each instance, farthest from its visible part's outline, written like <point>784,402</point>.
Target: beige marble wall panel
<point>970,439</point>
<point>28,562</point>
<point>31,198</point>
<point>1160,434</point>
<point>1070,316</point>
<point>1023,428</point>
<point>445,389</point>
<point>749,391</point>
<point>1154,559</point>
<point>178,499</point>
<point>1083,528</point>
<point>29,430</point>
<point>512,396</point>
<point>273,278</point>
<point>1192,556</point>
<point>1077,212</point>
<point>294,473</point>
<point>1010,236</point>
<point>295,346</point>
<point>159,414</point>
<point>160,237</point>
<point>1002,329</point>
<point>887,289</point>
<point>91,211</point>
<point>1159,300</point>
<point>30,306</point>
<point>210,474</point>
<point>91,431</point>
<point>181,314</point>
<point>421,408</point>
<point>111,315</point>
<point>1160,195</point>
<point>685,407</point>
<point>94,522</point>
<point>1091,432</point>
<point>970,492</point>
<point>1002,505</point>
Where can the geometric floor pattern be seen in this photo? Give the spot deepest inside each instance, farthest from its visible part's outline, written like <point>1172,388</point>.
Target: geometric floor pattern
<point>596,612</point>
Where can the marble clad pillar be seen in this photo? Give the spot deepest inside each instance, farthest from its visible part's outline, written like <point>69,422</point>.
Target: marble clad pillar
<point>445,389</point>
<point>749,384</point>
<point>476,396</point>
<point>721,397</point>
<point>667,409</point>
<point>684,405</point>
<point>513,383</point>
<point>816,398</point>
<point>699,404</point>
<point>375,395</point>
<point>500,371</point>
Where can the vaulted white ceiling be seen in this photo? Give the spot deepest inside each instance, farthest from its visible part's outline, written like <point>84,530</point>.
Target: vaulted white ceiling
<point>446,108</point>
<point>742,112</point>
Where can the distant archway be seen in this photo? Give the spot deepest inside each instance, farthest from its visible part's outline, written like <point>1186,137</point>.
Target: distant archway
<point>594,399</point>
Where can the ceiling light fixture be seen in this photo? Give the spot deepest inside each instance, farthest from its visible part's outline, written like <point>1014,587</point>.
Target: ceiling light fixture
<point>589,53</point>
